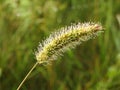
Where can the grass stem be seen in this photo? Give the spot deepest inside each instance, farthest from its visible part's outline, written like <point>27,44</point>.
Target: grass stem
<point>27,76</point>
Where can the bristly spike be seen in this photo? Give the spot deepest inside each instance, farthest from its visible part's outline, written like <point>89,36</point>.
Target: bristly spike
<point>65,38</point>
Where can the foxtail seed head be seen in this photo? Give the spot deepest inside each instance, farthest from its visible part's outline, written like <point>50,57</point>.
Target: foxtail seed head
<point>66,38</point>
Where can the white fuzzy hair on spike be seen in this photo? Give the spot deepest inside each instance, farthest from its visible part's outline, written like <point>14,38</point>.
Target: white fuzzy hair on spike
<point>66,38</point>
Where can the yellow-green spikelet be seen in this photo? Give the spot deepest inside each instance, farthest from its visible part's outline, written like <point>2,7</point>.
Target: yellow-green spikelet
<point>66,38</point>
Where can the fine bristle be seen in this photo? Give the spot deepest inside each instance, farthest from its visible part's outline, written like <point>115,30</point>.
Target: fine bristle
<point>66,38</point>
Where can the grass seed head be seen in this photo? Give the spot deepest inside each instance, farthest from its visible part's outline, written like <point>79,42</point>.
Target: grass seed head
<point>66,38</point>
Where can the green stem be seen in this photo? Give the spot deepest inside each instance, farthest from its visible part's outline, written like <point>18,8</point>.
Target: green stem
<point>27,76</point>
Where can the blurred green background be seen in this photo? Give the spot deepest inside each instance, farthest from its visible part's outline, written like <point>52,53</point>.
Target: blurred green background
<point>94,65</point>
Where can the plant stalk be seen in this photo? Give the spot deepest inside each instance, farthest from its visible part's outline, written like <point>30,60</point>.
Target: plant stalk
<point>27,75</point>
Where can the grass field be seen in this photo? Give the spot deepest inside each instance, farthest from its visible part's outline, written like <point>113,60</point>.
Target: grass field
<point>94,65</point>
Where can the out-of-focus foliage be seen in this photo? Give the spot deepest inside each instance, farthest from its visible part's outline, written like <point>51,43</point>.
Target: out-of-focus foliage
<point>94,65</point>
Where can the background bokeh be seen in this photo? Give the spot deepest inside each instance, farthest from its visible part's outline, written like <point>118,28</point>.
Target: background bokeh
<point>94,65</point>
